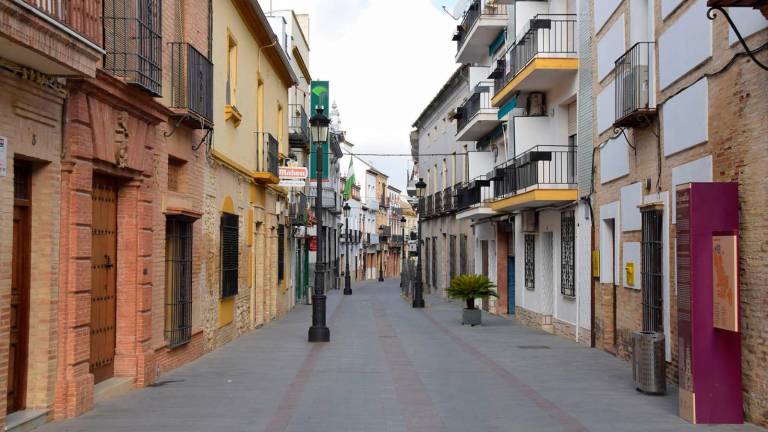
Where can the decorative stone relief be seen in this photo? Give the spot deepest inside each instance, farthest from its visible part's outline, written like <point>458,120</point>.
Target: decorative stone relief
<point>121,139</point>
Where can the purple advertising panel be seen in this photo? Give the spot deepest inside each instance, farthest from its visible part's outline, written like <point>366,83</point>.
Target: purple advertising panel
<point>709,344</point>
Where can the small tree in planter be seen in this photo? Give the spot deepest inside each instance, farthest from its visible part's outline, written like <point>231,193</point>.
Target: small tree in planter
<point>469,288</point>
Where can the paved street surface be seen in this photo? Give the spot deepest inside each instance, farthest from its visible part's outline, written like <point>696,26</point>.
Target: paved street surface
<point>391,368</point>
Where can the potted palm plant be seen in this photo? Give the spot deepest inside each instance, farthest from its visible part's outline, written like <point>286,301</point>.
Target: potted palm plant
<point>468,288</point>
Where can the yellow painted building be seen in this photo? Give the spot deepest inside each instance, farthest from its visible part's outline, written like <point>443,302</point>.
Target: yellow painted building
<point>247,267</point>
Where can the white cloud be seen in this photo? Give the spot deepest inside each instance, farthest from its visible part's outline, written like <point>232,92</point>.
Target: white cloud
<point>385,60</point>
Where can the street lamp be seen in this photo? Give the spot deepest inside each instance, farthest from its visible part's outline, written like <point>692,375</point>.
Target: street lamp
<point>402,252</point>
<point>347,281</point>
<point>319,331</point>
<point>418,294</point>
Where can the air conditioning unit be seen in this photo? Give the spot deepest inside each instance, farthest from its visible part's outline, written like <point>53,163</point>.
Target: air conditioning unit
<point>529,221</point>
<point>536,105</point>
<point>635,94</point>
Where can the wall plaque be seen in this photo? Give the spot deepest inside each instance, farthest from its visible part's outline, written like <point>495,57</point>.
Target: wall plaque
<point>725,270</point>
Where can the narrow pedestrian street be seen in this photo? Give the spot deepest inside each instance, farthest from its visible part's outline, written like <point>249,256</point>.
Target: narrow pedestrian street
<point>392,368</point>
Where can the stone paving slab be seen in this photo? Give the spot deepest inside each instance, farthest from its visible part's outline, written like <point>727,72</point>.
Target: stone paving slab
<point>392,368</point>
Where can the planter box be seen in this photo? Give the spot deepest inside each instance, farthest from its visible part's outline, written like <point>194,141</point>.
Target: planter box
<point>471,317</point>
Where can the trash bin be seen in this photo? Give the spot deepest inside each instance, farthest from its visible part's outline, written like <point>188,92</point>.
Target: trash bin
<point>648,362</point>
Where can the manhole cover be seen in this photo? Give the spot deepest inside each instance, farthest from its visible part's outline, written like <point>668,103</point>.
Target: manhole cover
<point>533,347</point>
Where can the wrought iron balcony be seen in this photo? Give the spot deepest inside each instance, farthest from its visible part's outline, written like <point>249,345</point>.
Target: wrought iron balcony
<point>547,35</point>
<point>331,198</point>
<point>539,167</point>
<point>299,126</point>
<point>473,192</point>
<point>438,203</point>
<point>81,16</point>
<point>429,207</point>
<point>133,42</point>
<point>297,209</point>
<point>192,85</point>
<point>386,231</point>
<point>480,25</point>
<point>267,156</point>
<point>449,200</point>
<point>476,117</point>
<point>634,100</point>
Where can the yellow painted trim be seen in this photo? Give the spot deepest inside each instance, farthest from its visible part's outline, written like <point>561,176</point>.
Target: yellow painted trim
<point>228,206</point>
<point>226,311</point>
<point>263,177</point>
<point>249,228</point>
<point>534,196</point>
<point>249,257</point>
<point>534,65</point>
<point>232,113</point>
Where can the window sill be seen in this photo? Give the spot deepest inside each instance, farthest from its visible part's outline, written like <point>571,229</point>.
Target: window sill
<point>232,113</point>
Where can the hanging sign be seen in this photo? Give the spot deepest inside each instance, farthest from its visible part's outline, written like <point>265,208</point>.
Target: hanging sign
<point>293,176</point>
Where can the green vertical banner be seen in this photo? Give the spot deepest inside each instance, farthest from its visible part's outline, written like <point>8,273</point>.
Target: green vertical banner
<point>319,98</point>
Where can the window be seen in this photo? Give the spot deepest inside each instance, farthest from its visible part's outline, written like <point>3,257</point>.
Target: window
<point>568,253</point>
<point>175,174</point>
<point>229,254</point>
<point>530,261</point>
<point>652,247</point>
<point>178,281</point>
<point>280,252</point>
<point>231,70</point>
<point>463,251</point>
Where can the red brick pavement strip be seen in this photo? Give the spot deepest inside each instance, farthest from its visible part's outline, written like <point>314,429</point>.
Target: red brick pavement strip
<point>418,410</point>
<point>568,422</point>
<point>282,416</point>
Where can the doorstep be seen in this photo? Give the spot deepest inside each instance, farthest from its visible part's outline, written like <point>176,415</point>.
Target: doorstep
<point>26,420</point>
<point>111,388</point>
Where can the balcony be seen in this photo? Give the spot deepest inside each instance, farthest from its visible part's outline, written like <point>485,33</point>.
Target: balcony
<point>267,157</point>
<point>331,198</point>
<point>386,231</point>
<point>429,206</point>
<point>57,38</point>
<point>635,105</point>
<point>481,25</point>
<point>133,43</point>
<point>298,127</point>
<point>472,198</point>
<point>191,86</point>
<point>542,176</point>
<point>438,203</point>
<point>542,57</point>
<point>449,200</point>
<point>396,240</point>
<point>476,117</point>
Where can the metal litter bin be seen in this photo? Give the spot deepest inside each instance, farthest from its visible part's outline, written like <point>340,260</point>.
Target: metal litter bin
<point>648,362</point>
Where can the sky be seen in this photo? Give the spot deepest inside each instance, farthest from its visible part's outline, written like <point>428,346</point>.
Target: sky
<point>385,60</point>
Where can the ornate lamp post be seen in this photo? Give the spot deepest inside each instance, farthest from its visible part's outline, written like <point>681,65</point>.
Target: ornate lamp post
<point>347,281</point>
<point>418,294</point>
<point>319,331</point>
<point>402,252</point>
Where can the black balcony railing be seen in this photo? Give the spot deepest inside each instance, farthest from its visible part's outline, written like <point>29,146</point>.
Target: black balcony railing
<point>299,125</point>
<point>192,83</point>
<point>267,154</point>
<point>449,200</point>
<point>438,202</point>
<point>633,88</point>
<point>385,231</point>
<point>297,210</point>
<point>133,42</point>
<point>429,208</point>
<point>475,10</point>
<point>542,166</point>
<point>473,192</point>
<point>480,99</point>
<point>546,34</point>
<point>82,16</point>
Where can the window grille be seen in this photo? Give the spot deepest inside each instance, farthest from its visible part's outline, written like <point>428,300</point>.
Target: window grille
<point>452,257</point>
<point>178,281</point>
<point>280,252</point>
<point>229,254</point>
<point>530,261</point>
<point>568,253</point>
<point>133,42</point>
<point>652,248</point>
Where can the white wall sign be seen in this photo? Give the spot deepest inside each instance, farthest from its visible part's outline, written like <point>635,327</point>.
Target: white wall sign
<point>293,173</point>
<point>3,156</point>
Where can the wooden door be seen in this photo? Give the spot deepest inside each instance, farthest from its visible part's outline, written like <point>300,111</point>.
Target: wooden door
<point>103,280</point>
<point>20,278</point>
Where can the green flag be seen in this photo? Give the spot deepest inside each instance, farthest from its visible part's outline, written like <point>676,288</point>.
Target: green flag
<point>350,180</point>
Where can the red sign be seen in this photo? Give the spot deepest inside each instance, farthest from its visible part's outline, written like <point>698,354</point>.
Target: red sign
<point>313,244</point>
